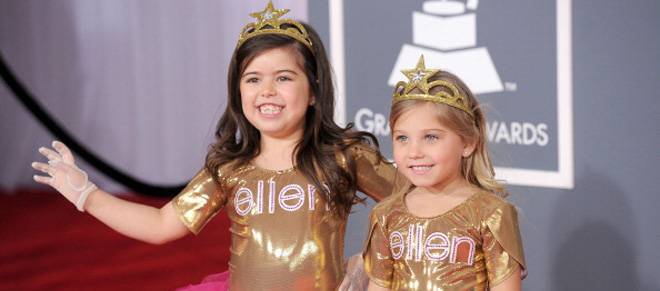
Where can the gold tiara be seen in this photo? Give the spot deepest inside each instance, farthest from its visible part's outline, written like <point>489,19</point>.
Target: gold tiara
<point>418,78</point>
<point>269,22</point>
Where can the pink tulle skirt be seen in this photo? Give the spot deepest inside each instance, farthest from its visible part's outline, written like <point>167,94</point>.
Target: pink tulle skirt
<point>214,282</point>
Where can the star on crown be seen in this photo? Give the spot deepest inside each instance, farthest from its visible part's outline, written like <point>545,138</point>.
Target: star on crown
<point>268,14</point>
<point>418,78</point>
<point>269,21</point>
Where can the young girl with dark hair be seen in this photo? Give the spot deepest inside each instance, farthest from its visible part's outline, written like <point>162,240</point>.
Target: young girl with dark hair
<point>285,172</point>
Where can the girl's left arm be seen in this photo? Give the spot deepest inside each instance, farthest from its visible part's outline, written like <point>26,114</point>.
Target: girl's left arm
<point>513,283</point>
<point>502,247</point>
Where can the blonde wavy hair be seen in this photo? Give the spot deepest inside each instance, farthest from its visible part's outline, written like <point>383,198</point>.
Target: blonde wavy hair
<point>477,168</point>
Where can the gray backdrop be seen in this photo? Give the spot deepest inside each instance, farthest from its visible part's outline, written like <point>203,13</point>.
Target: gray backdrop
<point>600,234</point>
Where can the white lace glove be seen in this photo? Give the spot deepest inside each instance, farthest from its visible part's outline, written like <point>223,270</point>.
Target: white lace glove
<point>64,175</point>
<point>356,278</point>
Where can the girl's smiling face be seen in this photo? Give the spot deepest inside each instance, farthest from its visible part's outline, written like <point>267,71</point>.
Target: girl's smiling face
<point>426,151</point>
<point>275,93</point>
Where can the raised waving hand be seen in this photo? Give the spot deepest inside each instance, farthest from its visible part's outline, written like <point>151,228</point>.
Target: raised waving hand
<point>64,175</point>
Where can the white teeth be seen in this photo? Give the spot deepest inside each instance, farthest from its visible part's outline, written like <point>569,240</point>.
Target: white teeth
<point>420,168</point>
<point>270,109</point>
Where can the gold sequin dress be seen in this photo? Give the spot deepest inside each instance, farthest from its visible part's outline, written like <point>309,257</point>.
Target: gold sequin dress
<point>470,247</point>
<point>283,237</point>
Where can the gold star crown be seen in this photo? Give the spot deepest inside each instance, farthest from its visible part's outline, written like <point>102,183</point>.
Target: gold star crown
<point>418,78</point>
<point>269,22</point>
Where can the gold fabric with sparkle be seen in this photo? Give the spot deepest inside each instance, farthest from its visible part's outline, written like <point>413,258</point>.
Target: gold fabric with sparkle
<point>471,247</point>
<point>283,237</point>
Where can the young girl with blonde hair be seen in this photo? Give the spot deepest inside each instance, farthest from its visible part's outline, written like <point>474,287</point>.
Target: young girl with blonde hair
<point>451,229</point>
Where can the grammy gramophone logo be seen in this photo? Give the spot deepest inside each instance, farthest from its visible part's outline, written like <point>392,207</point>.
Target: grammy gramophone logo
<point>445,32</point>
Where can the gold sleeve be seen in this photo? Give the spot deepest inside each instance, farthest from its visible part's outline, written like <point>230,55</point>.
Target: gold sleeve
<point>376,177</point>
<point>502,245</point>
<point>199,201</point>
<point>378,261</point>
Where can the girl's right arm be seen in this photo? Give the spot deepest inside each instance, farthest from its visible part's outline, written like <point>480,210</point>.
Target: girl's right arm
<point>141,222</point>
<point>374,287</point>
<point>378,260</point>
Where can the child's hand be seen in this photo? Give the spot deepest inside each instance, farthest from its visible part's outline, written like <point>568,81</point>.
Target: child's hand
<point>64,175</point>
<point>356,278</point>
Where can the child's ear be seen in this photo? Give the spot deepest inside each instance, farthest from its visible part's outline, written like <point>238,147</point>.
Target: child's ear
<point>312,100</point>
<point>468,148</point>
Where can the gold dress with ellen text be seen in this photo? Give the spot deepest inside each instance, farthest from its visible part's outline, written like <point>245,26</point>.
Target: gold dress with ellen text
<point>283,237</point>
<point>473,246</point>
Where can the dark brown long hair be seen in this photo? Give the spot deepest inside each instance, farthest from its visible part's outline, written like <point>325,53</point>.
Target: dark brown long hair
<point>237,141</point>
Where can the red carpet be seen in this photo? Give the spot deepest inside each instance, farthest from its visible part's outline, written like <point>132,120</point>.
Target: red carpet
<point>48,245</point>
